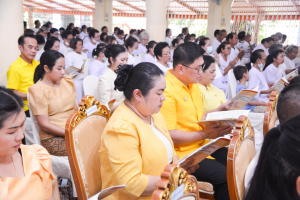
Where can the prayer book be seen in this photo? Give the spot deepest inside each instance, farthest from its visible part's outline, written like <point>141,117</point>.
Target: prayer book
<point>280,84</point>
<point>243,98</point>
<point>201,153</point>
<point>108,191</point>
<point>293,74</point>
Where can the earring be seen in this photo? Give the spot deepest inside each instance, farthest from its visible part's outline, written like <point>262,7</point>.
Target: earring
<point>138,101</point>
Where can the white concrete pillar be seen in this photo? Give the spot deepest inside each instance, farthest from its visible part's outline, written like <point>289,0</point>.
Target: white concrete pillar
<point>104,15</point>
<point>30,18</point>
<point>11,17</point>
<point>215,15</point>
<point>156,12</point>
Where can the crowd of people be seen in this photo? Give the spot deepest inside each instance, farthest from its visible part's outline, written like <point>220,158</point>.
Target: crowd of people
<point>160,87</point>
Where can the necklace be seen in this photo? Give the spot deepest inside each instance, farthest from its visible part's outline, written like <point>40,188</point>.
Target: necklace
<point>14,167</point>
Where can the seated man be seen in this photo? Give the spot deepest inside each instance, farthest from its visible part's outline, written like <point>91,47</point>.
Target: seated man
<point>20,73</point>
<point>183,105</point>
<point>288,106</point>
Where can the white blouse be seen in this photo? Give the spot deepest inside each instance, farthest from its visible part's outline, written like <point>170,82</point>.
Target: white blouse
<point>272,74</point>
<point>215,44</point>
<point>106,87</point>
<point>63,49</point>
<point>148,58</point>
<point>74,59</point>
<point>90,47</point>
<point>261,46</point>
<point>97,68</point>
<point>142,48</point>
<point>289,63</point>
<point>39,54</point>
<point>165,140</point>
<point>233,54</point>
<point>132,60</point>
<point>257,79</point>
<point>163,68</point>
<point>169,41</point>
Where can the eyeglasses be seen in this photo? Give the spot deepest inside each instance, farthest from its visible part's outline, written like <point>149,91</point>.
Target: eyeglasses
<point>166,54</point>
<point>228,48</point>
<point>198,70</point>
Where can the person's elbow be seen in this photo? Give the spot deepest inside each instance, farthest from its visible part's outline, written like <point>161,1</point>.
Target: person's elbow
<point>175,137</point>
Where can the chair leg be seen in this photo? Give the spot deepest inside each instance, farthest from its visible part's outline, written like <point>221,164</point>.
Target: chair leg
<point>206,196</point>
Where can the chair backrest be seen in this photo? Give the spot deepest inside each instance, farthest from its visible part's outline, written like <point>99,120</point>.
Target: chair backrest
<point>175,178</point>
<point>90,85</point>
<point>232,83</point>
<point>240,153</point>
<point>270,113</point>
<point>83,139</point>
<point>36,129</point>
<point>87,66</point>
<point>141,56</point>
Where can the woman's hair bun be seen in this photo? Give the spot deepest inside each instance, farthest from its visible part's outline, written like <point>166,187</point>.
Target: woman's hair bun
<point>122,77</point>
<point>147,46</point>
<point>107,51</point>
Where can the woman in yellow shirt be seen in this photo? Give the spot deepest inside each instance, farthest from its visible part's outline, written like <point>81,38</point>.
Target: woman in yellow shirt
<point>136,145</point>
<point>213,98</point>
<point>27,175</point>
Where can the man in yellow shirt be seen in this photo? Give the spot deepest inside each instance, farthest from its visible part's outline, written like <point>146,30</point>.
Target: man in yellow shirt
<point>20,73</point>
<point>182,106</point>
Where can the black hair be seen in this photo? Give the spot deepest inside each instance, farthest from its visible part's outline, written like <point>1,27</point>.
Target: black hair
<point>74,42</point>
<point>222,31</point>
<point>193,35</point>
<point>116,29</point>
<point>89,29</point>
<point>187,53</point>
<point>83,27</point>
<point>278,165</point>
<point>66,34</point>
<point>184,30</point>
<point>120,32</point>
<point>48,23</point>
<point>150,45</point>
<point>52,30</point>
<point>62,28</point>
<point>175,41</point>
<point>35,22</point>
<point>102,36</point>
<point>208,60</point>
<point>230,36</point>
<point>100,48</point>
<point>130,42</point>
<point>21,40</point>
<point>132,31</point>
<point>25,24</point>
<point>187,38</point>
<point>113,50</point>
<point>109,39</point>
<point>103,27</point>
<point>216,32</point>
<point>48,58</point>
<point>159,47</point>
<point>93,33</point>
<point>50,42</point>
<point>28,32</point>
<point>284,36</point>
<point>222,46</point>
<point>241,35</point>
<point>70,25</point>
<point>239,72</point>
<point>202,41</point>
<point>295,80</point>
<point>40,39</point>
<point>75,32</point>
<point>257,54</point>
<point>10,104</point>
<point>167,31</point>
<point>272,56</point>
<point>142,77</point>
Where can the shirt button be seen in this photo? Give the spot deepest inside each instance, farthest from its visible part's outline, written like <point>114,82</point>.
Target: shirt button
<point>185,99</point>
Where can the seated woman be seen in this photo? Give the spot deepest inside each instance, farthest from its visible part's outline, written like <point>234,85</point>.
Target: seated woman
<point>117,56</point>
<point>52,43</point>
<point>291,53</point>
<point>136,145</point>
<point>258,59</point>
<point>149,56</point>
<point>132,46</point>
<point>212,97</point>
<point>225,65</point>
<point>277,175</point>
<point>27,175</point>
<point>110,40</point>
<point>52,101</point>
<point>175,42</point>
<point>103,36</point>
<point>74,64</point>
<point>98,65</point>
<point>271,72</point>
<point>163,55</point>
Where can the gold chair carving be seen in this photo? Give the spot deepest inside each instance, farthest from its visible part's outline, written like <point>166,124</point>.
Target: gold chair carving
<point>83,138</point>
<point>172,177</point>
<point>240,153</point>
<point>271,113</point>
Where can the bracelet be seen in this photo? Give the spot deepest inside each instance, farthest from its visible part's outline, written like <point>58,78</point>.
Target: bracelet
<point>237,59</point>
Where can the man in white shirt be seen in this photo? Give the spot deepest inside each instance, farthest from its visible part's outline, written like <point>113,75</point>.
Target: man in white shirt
<point>144,38</point>
<point>83,33</point>
<point>235,54</point>
<point>290,54</point>
<point>65,46</point>
<point>218,39</point>
<point>92,44</point>
<point>119,37</point>
<point>37,26</point>
<point>104,29</point>
<point>44,31</point>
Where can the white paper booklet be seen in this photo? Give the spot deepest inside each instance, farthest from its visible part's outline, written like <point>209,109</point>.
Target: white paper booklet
<point>243,98</point>
<point>108,191</point>
<point>280,84</point>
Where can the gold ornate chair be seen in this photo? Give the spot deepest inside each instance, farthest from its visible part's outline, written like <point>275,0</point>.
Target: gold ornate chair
<point>83,135</point>
<point>240,153</point>
<point>175,179</point>
<point>271,113</point>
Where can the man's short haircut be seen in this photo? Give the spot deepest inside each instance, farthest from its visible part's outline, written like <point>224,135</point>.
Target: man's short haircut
<point>28,31</point>
<point>239,72</point>
<point>93,33</point>
<point>44,28</point>
<point>158,49</point>
<point>21,40</point>
<point>187,38</point>
<point>62,28</point>
<point>74,41</point>
<point>193,35</point>
<point>103,27</point>
<point>222,31</point>
<point>274,47</point>
<point>35,22</point>
<point>216,32</point>
<point>40,39</point>
<point>132,31</point>
<point>66,34</point>
<point>288,104</point>
<point>75,32</point>
<point>116,29</point>
<point>89,29</point>
<point>187,53</point>
<point>230,36</point>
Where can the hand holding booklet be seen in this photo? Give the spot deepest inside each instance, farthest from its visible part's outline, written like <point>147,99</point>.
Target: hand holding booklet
<point>243,98</point>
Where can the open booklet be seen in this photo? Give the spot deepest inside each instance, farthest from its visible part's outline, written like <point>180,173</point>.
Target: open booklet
<point>243,98</point>
<point>280,84</point>
<point>108,191</point>
<point>201,153</point>
<point>73,71</point>
<point>223,117</point>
